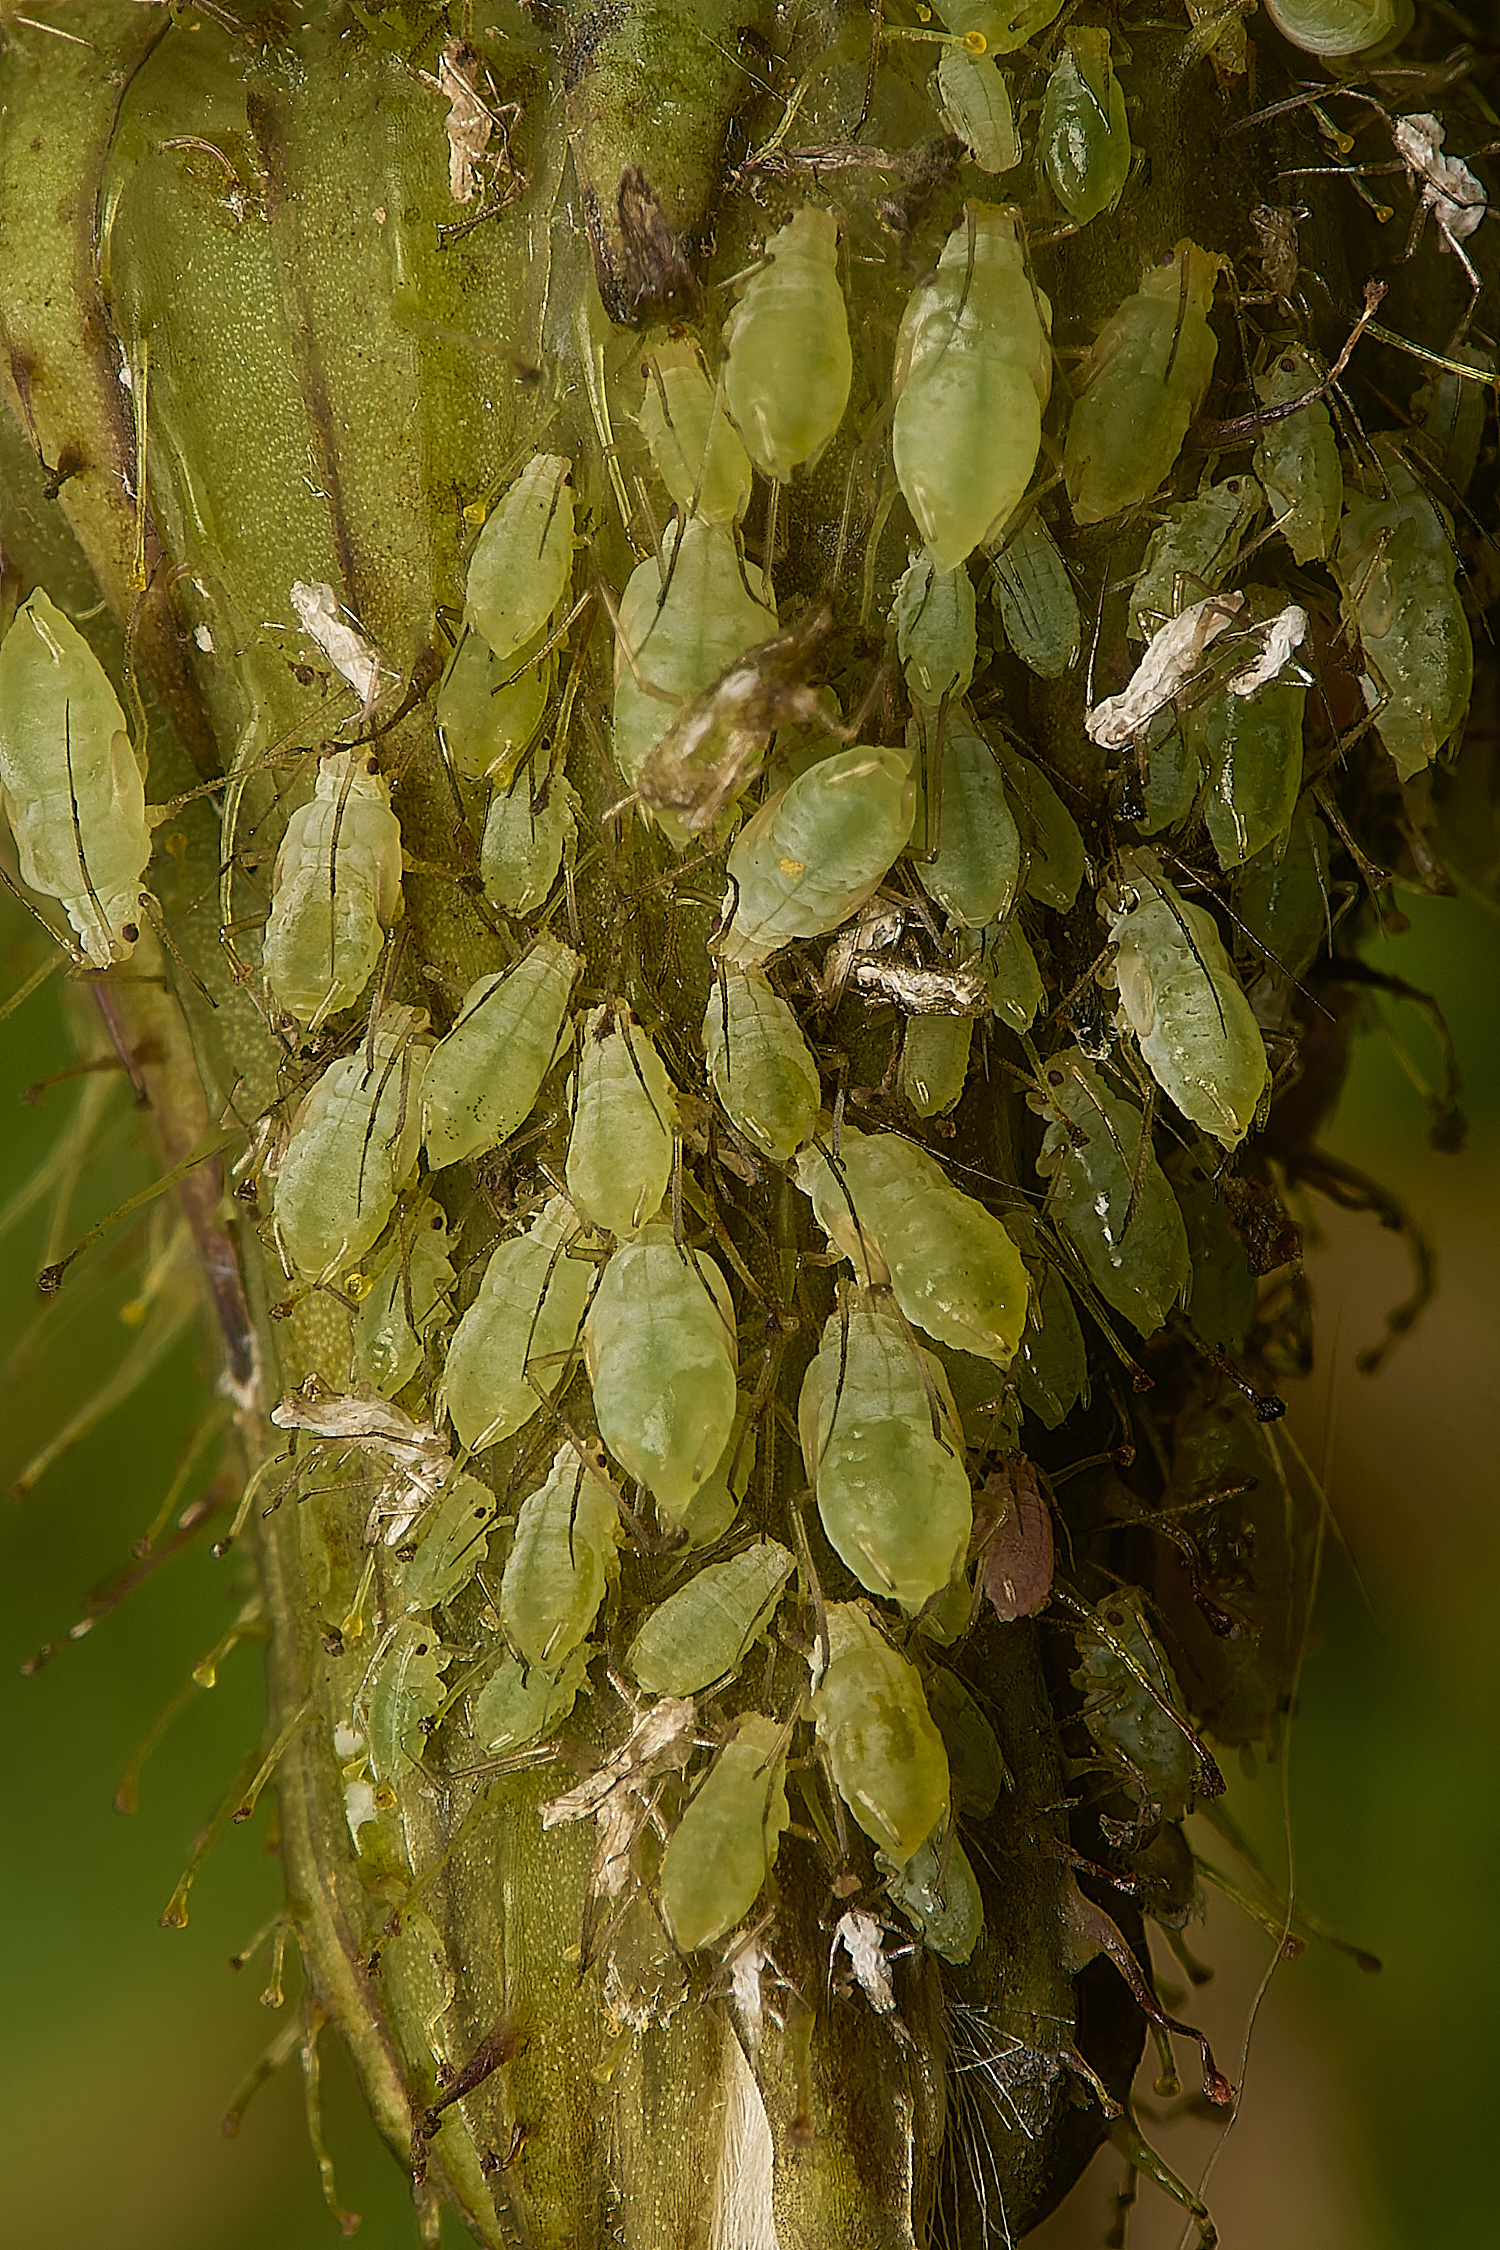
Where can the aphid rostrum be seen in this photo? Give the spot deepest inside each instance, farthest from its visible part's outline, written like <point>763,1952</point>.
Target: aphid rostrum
<point>972,373</point>
<point>659,1342</point>
<point>523,559</point>
<point>73,791</point>
<point>624,1122</point>
<point>1101,1177</point>
<point>1084,142</point>
<point>353,1146</point>
<point>335,891</point>
<point>816,851</point>
<point>528,829</point>
<point>483,1078</point>
<point>695,446</point>
<point>888,1760</point>
<point>705,1630</point>
<point>561,1558</point>
<point>789,364</point>
<point>1141,385</point>
<point>761,1066</point>
<point>724,1846</point>
<point>511,1347</point>
<point>883,1449</point>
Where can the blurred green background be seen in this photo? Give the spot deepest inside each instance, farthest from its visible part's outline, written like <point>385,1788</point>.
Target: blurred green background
<point>1366,2113</point>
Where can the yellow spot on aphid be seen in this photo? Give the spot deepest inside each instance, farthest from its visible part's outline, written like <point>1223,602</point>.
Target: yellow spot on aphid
<point>976,43</point>
<point>356,1285</point>
<point>792,868</point>
<point>475,512</point>
<point>135,1312</point>
<point>176,843</point>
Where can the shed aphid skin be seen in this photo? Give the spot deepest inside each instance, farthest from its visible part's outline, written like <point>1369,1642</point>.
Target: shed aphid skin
<point>483,1078</point>
<point>939,1896</point>
<point>1101,1177</point>
<point>488,713</point>
<point>789,364</point>
<point>335,890</point>
<point>1140,386</point>
<point>529,828</point>
<point>816,851</point>
<point>523,560</point>
<point>968,854</point>
<point>681,624</point>
<point>1397,572</point>
<point>974,96</point>
<point>1192,553</point>
<point>705,1631</point>
<point>560,1561</point>
<point>1335,28</point>
<point>1297,460</point>
<point>356,660</point>
<point>722,1850</point>
<point>354,1146</point>
<point>696,448</point>
<point>887,1758</point>
<point>73,791</point>
<point>1182,1000</point>
<point>405,1300</point>
<point>1084,142</point>
<point>1172,657</point>
<point>935,1063</point>
<point>933,613</point>
<point>659,1343</point>
<point>892,1490</point>
<point>761,1066</point>
<point>1120,1662</point>
<point>624,1123</point>
<point>1247,735</point>
<point>511,1348</point>
<point>893,1212</point>
<point>972,373</point>
<point>1036,601</point>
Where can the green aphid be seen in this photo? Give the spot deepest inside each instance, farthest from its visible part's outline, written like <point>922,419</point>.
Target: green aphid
<point>695,446</point>
<point>624,1124</point>
<point>935,1063</point>
<point>972,373</point>
<point>1120,1662</point>
<point>970,832</point>
<point>520,1702</point>
<point>488,713</point>
<point>976,1762</point>
<point>884,1453</point>
<point>892,1210</point>
<point>974,96</point>
<point>529,827</point>
<point>816,851</point>
<point>402,1687</point>
<point>335,890</point>
<point>1084,144</point>
<point>484,1078</point>
<point>1192,553</point>
<point>1250,747</point>
<point>73,790</point>
<point>523,560</point>
<point>721,1852</point>
<point>933,613</point>
<point>1180,996</point>
<point>510,1349</point>
<point>1140,386</point>
<point>1016,988</point>
<point>705,1631</point>
<point>1038,607</point>
<point>1453,412</point>
<point>452,1542</point>
<point>1221,1298</point>
<point>761,1066</point>
<point>789,362</point>
<point>1281,900</point>
<point>405,1301</point>
<point>561,1558</point>
<point>353,1147</point>
<point>1052,1368</point>
<point>1100,1177</point>
<point>659,1341</point>
<point>1335,28</point>
<point>887,1758</point>
<point>937,1893</point>
<point>1297,459</point>
<point>1397,572</point>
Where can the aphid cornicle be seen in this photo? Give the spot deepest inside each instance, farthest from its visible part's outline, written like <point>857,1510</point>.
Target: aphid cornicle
<point>1100,1177</point>
<point>816,851</point>
<point>563,1553</point>
<point>695,446</point>
<point>1183,1001</point>
<point>1396,570</point>
<point>723,1848</point>
<point>624,1120</point>
<point>789,362</point>
<point>522,561</point>
<point>1140,386</point>
<point>483,1078</point>
<point>972,372</point>
<point>66,759</point>
<point>1084,144</point>
<point>705,1631</point>
<point>970,831</point>
<point>762,1069</point>
<point>510,1349</point>
<point>486,725</point>
<point>893,1495</point>
<point>529,827</point>
<point>354,1144</point>
<point>335,891</point>
<point>659,1342</point>
<point>888,1760</point>
<point>894,1213</point>
<point>1297,459</point>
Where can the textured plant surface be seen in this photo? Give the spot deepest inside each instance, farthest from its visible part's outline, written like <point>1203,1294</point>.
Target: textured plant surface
<point>774,688</point>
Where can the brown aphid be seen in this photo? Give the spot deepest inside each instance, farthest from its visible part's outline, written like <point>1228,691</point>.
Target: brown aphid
<point>1013,1534</point>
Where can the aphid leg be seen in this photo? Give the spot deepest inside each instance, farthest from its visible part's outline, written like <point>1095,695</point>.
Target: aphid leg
<point>280,2051</point>
<point>1126,2136</point>
<point>307,2049</point>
